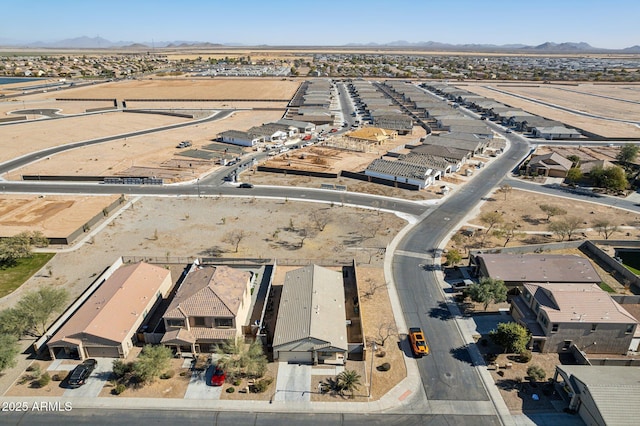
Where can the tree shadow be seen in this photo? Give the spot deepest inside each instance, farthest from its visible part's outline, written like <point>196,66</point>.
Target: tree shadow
<point>461,353</point>
<point>440,312</point>
<point>532,220</point>
<point>214,251</point>
<point>352,239</point>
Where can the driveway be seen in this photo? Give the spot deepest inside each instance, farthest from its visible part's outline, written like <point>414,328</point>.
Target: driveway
<point>198,387</point>
<point>95,382</point>
<point>293,382</point>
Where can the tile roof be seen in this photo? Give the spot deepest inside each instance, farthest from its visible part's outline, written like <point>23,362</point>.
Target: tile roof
<point>109,314</point>
<point>539,268</point>
<point>579,303</point>
<point>209,292</point>
<point>552,160</point>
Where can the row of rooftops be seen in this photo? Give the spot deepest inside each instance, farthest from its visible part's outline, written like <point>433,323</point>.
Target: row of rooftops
<point>522,120</point>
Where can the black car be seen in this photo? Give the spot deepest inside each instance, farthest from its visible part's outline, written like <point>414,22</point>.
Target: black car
<point>245,185</point>
<point>81,373</point>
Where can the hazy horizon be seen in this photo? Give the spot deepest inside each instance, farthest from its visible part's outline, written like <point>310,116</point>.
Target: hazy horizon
<point>330,23</point>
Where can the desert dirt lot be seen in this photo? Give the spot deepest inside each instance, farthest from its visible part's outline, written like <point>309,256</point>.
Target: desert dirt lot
<point>190,88</point>
<point>582,102</point>
<point>156,153</point>
<point>53,215</point>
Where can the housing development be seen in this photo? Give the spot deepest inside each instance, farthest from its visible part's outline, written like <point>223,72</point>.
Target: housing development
<point>266,234</point>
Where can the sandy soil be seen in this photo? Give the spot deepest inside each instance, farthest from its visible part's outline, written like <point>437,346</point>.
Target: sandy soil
<point>53,215</point>
<point>156,152</point>
<point>24,138</point>
<point>189,88</point>
<point>590,104</point>
<point>174,387</point>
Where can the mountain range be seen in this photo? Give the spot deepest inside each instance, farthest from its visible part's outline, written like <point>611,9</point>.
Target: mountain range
<point>102,43</point>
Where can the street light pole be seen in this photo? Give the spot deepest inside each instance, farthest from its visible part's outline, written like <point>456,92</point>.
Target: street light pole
<point>374,348</point>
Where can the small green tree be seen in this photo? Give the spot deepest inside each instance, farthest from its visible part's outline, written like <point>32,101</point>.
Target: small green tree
<point>551,211</point>
<point>575,160</point>
<point>536,373</point>
<point>453,257</point>
<point>242,360</point>
<point>612,178</point>
<point>37,307</point>
<point>490,219</point>
<point>487,291</point>
<point>8,351</point>
<point>574,174</point>
<point>348,381</point>
<point>508,231</point>
<point>13,323</point>
<point>511,336</point>
<point>628,153</point>
<point>153,360</point>
<point>20,246</point>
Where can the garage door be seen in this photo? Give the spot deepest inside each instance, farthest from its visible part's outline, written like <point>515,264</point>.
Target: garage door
<point>102,352</point>
<point>296,357</point>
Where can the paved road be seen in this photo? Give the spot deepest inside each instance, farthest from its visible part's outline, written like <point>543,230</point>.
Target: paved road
<point>447,373</point>
<point>336,197</point>
<point>160,417</point>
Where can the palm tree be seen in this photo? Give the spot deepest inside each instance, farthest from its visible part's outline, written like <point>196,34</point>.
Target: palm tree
<point>348,380</point>
<point>242,360</point>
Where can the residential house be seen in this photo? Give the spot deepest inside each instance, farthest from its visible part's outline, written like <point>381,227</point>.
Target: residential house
<point>401,171</point>
<point>311,324</point>
<point>105,324</point>
<point>402,124</point>
<point>601,395</point>
<point>211,306</point>
<point>518,269</point>
<point>552,165</point>
<point>301,126</point>
<point>372,134</point>
<point>556,132</point>
<point>238,137</point>
<point>584,315</point>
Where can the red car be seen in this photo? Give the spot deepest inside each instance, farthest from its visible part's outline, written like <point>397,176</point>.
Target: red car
<point>218,377</point>
<point>306,138</point>
<point>334,130</point>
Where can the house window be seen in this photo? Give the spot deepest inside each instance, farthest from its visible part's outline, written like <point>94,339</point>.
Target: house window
<point>630,328</point>
<point>175,323</point>
<point>527,295</point>
<point>594,327</point>
<point>224,322</point>
<point>198,321</point>
<point>554,328</point>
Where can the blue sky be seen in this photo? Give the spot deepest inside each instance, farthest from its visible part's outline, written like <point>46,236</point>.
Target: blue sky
<point>605,24</point>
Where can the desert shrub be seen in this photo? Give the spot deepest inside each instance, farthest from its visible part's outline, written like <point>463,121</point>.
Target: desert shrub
<point>118,389</point>
<point>536,373</point>
<point>57,377</point>
<point>44,380</point>
<point>121,368</point>
<point>381,354</point>
<point>237,382</point>
<point>501,373</point>
<point>525,356</point>
<point>35,368</point>
<point>167,374</point>
<point>230,390</point>
<point>262,385</point>
<point>184,373</point>
<point>384,367</point>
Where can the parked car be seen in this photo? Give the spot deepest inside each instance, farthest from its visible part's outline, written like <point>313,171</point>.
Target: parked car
<point>306,137</point>
<point>81,373</point>
<point>334,130</point>
<point>218,377</point>
<point>418,342</point>
<point>245,185</point>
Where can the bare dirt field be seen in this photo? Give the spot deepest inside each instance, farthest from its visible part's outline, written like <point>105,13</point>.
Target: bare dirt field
<point>521,207</point>
<point>156,152</point>
<point>590,104</point>
<point>53,215</point>
<point>190,88</point>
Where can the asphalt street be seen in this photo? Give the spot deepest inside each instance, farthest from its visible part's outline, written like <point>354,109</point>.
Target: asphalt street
<point>447,373</point>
